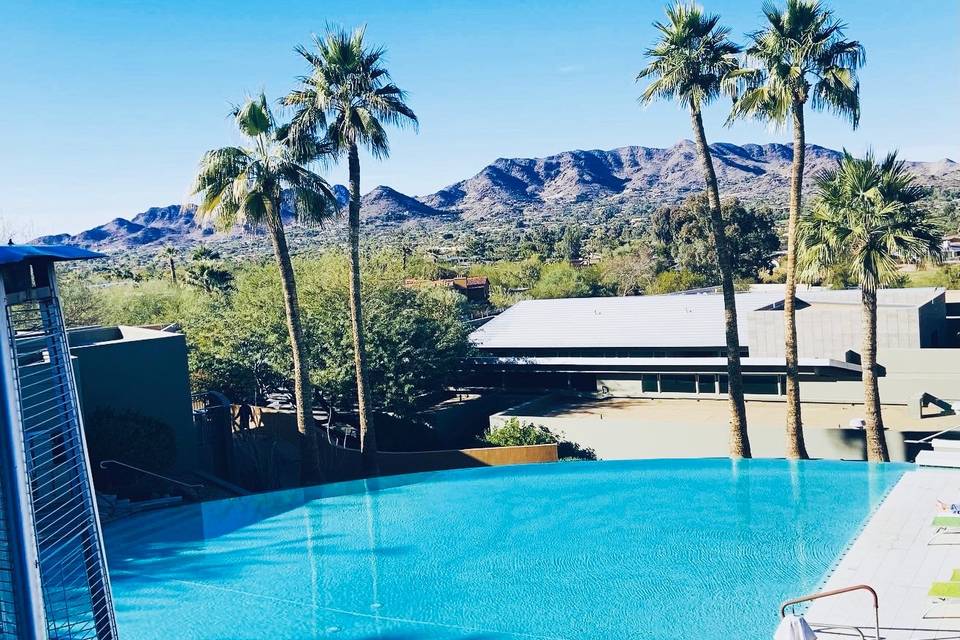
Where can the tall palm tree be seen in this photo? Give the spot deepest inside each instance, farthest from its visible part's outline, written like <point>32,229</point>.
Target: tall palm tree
<point>799,56</point>
<point>689,64</point>
<point>246,185</point>
<point>169,253</point>
<point>347,99</point>
<point>867,219</point>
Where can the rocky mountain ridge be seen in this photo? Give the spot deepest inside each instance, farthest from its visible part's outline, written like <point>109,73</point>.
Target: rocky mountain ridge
<point>751,172</point>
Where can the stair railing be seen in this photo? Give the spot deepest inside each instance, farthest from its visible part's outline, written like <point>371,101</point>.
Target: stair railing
<point>836,592</point>
<point>104,463</point>
<point>927,439</point>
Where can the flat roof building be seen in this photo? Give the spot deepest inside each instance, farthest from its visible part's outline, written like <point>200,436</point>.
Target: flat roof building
<point>674,347</point>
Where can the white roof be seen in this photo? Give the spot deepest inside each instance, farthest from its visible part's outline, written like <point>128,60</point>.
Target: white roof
<point>635,321</point>
<point>681,321</point>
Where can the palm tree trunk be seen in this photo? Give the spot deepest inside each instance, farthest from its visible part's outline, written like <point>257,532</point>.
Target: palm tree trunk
<point>876,440</point>
<point>310,457</point>
<point>739,440</point>
<point>173,270</point>
<point>796,449</point>
<point>368,437</point>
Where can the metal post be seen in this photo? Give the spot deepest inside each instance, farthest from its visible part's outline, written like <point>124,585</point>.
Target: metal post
<point>28,595</point>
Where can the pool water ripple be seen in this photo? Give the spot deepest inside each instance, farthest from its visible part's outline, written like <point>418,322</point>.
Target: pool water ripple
<point>647,549</point>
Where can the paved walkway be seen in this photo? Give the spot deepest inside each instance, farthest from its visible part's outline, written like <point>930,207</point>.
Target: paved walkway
<point>891,555</point>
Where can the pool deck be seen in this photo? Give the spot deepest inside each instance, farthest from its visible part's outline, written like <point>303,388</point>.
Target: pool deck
<point>891,555</point>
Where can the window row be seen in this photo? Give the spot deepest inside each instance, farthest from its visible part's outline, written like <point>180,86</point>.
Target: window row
<point>710,383</point>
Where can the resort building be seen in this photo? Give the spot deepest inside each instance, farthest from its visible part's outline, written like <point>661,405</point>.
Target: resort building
<point>140,370</point>
<point>672,347</point>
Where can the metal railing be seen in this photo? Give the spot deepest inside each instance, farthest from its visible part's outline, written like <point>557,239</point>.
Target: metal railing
<point>836,592</point>
<point>927,439</point>
<point>104,463</point>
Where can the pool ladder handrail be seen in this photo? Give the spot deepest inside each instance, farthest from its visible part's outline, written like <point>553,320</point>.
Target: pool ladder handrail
<point>836,592</point>
<point>104,463</point>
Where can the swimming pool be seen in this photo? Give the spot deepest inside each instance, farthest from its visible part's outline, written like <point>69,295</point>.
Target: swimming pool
<point>657,549</point>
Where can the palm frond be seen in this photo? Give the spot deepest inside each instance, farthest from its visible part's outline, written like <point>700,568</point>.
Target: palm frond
<point>245,185</point>
<point>348,96</point>
<point>693,59</point>
<point>867,217</point>
<point>801,55</point>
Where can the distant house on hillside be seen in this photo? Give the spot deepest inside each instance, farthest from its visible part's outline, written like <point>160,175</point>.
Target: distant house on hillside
<point>951,248</point>
<point>475,288</point>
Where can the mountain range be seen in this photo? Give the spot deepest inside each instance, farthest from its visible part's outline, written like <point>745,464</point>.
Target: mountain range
<point>510,187</point>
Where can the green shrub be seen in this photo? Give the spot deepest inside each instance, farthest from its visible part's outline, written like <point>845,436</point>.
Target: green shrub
<point>130,437</point>
<point>514,433</point>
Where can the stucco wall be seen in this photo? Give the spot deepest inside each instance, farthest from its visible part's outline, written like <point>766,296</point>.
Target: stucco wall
<point>139,370</point>
<point>829,331</point>
<point>614,439</point>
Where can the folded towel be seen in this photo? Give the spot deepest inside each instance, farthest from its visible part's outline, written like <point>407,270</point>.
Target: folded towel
<point>794,628</point>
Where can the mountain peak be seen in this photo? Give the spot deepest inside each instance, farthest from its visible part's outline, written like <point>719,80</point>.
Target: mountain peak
<point>509,186</point>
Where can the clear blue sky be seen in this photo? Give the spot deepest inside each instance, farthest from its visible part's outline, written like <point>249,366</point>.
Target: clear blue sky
<point>109,105</point>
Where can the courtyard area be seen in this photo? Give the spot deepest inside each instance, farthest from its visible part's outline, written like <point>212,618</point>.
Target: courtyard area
<point>625,428</point>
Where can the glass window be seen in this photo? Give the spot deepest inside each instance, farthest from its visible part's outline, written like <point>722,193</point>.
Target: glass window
<point>706,383</point>
<point>649,383</point>
<point>678,383</point>
<point>764,385</point>
<point>723,384</point>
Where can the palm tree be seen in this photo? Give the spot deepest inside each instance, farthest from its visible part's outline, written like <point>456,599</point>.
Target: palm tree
<point>867,219</point>
<point>169,254</point>
<point>347,99</point>
<point>799,56</point>
<point>246,185</point>
<point>689,64</point>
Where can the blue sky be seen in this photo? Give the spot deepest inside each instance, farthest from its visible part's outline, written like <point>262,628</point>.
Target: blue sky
<point>109,105</point>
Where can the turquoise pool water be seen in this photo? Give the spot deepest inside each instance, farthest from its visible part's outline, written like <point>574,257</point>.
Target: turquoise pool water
<point>647,549</point>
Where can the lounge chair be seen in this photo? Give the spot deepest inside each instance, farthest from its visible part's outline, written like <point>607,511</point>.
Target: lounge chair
<point>945,593</point>
<point>946,524</point>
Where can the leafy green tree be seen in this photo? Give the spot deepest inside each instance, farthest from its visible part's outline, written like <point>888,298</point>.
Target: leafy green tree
<point>571,243</point>
<point>82,303</point>
<point>629,270</point>
<point>673,281</point>
<point>800,55</point>
<point>417,338</point>
<point>348,98</point>
<point>867,219</point>
<point>689,64</point>
<point>245,185</point>
<point>683,237</point>
<point>561,280</point>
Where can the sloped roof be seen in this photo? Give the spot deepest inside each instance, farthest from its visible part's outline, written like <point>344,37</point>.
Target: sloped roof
<point>14,253</point>
<point>682,321</point>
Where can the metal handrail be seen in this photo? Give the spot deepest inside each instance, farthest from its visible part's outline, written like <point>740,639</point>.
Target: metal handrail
<point>927,439</point>
<point>836,592</point>
<point>104,463</point>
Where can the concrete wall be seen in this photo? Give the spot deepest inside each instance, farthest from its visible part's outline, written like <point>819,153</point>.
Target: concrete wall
<point>142,370</point>
<point>271,439</point>
<point>830,330</point>
<point>629,440</point>
<point>911,372</point>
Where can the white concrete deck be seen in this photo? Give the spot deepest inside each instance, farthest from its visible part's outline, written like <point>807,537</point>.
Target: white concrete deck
<point>891,555</point>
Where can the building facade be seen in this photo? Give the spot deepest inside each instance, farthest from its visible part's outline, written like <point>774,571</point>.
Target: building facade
<point>674,346</point>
